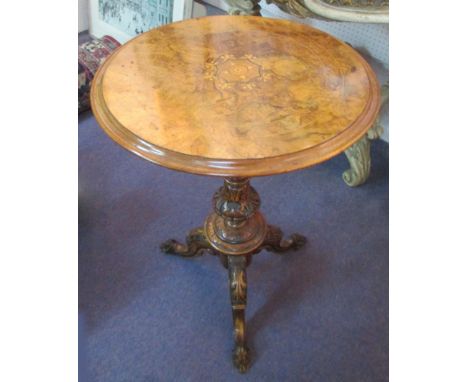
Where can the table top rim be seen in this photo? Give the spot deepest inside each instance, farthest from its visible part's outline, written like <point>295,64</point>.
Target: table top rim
<point>245,167</point>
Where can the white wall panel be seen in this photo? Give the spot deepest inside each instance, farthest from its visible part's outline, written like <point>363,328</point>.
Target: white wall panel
<point>83,17</point>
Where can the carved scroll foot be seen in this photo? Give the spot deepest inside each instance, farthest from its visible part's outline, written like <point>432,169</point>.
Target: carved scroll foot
<point>274,241</point>
<point>196,245</point>
<point>241,358</point>
<point>359,159</point>
<point>238,288</point>
<point>359,154</point>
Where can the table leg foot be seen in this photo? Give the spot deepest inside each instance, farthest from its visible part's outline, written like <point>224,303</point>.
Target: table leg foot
<point>241,358</point>
<point>359,161</point>
<point>196,244</point>
<point>238,289</point>
<point>274,241</point>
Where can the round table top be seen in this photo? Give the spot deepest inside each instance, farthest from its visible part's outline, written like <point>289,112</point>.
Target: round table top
<point>235,96</point>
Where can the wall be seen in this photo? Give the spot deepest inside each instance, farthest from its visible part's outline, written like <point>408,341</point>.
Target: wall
<point>83,18</point>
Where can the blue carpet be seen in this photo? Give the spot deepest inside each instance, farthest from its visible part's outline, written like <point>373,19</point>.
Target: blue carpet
<point>318,314</point>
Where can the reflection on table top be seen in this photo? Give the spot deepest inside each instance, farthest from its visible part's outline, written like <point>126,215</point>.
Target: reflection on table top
<point>239,96</point>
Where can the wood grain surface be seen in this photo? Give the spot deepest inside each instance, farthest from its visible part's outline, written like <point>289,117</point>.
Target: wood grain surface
<point>235,96</point>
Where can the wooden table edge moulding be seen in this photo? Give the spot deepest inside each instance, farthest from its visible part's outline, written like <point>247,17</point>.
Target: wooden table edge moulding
<point>235,97</point>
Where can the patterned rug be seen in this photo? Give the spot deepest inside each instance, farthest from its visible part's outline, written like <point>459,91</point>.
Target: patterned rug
<point>91,55</point>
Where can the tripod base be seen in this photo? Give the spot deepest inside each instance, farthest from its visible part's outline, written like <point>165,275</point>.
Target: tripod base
<point>235,232</point>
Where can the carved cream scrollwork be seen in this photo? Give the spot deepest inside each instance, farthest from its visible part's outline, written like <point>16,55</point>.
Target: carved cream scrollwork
<point>358,3</point>
<point>359,154</point>
<point>306,8</point>
<point>371,11</point>
<point>293,7</point>
<point>359,160</point>
<point>359,157</point>
<point>244,7</point>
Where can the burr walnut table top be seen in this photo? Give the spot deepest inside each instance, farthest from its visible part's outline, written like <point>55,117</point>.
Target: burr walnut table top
<point>235,96</point>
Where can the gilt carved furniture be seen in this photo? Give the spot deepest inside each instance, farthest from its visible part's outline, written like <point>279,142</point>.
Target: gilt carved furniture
<point>359,11</point>
<point>235,97</point>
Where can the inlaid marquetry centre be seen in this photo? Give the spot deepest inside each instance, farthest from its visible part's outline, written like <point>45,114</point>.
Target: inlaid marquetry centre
<point>234,89</point>
<point>228,68</point>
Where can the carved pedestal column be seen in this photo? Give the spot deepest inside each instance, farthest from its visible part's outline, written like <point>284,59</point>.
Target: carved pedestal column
<point>235,231</point>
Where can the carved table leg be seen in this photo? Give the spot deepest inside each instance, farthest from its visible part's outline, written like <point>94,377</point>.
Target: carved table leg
<point>359,154</point>
<point>359,159</point>
<point>238,287</point>
<point>274,241</point>
<point>244,7</point>
<point>196,244</point>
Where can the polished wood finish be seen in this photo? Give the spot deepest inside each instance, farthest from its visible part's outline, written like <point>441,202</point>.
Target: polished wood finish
<point>235,96</point>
